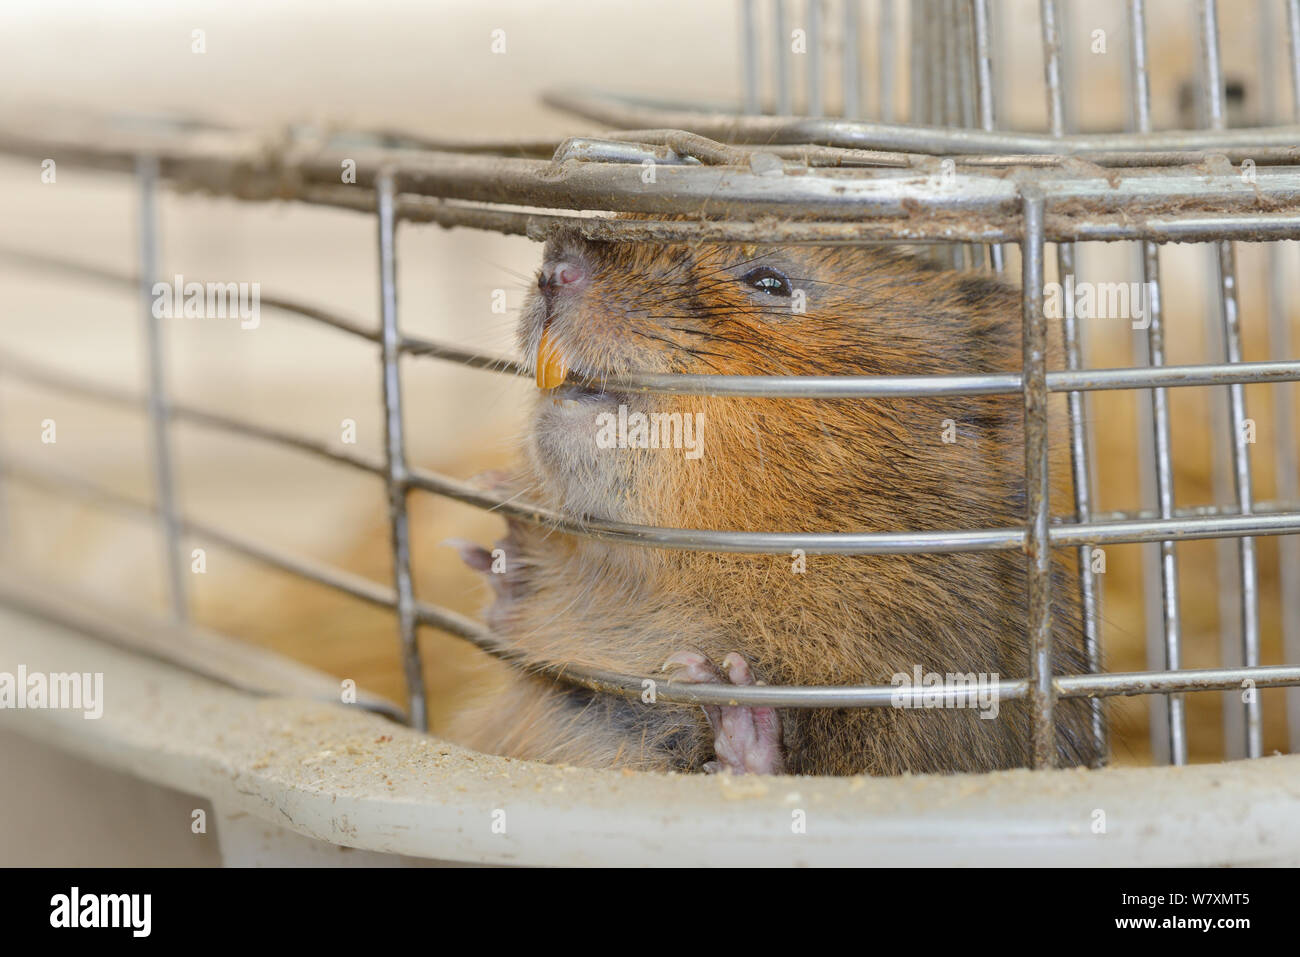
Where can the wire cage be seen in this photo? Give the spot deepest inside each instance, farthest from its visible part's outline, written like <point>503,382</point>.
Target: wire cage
<point>949,180</point>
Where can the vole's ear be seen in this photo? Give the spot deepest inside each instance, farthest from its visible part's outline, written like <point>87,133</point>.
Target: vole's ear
<point>562,242</point>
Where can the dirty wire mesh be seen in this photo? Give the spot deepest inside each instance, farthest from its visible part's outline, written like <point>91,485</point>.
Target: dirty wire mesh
<point>950,180</point>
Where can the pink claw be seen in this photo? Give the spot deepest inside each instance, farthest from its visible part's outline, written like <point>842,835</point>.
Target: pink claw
<point>472,554</point>
<point>746,740</point>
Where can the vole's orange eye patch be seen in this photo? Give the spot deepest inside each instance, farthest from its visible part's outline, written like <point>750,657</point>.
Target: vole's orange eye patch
<point>768,280</point>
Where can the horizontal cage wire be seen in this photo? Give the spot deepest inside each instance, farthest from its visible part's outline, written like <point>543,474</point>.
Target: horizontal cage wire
<point>950,182</point>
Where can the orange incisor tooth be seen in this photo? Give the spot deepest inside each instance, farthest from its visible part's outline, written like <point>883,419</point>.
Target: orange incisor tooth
<point>551,369</point>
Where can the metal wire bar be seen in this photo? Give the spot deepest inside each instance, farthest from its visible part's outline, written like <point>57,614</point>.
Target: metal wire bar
<point>33,374</point>
<point>851,61</point>
<point>1072,340</point>
<point>944,111</point>
<point>538,226</point>
<point>1207,522</point>
<point>40,376</point>
<point>113,145</point>
<point>1164,485</point>
<point>1162,456</point>
<point>965,43</point>
<point>828,387</point>
<point>395,456</point>
<point>178,645</point>
<point>885,44</point>
<point>794,386</point>
<point>633,112</point>
<point>931,53</point>
<point>817,696</point>
<point>694,146</point>
<point>1038,555</point>
<point>1249,576</point>
<point>813,97</point>
<point>869,696</point>
<point>784,97</point>
<point>985,93</point>
<point>985,96</point>
<point>862,543</point>
<point>235,164</point>
<point>878,204</point>
<point>884,227</point>
<point>1293,48</point>
<point>160,445</point>
<point>964,67</point>
<point>946,65</point>
<point>1286,467</point>
<point>825,387</point>
<point>1160,229</point>
<point>127,280</point>
<point>45,478</point>
<point>793,697</point>
<point>1114,202</point>
<point>593,149</point>
<point>1263,156</point>
<point>873,696</point>
<point>916,63</point>
<point>1285,425</point>
<point>1270,507</point>
<point>749,57</point>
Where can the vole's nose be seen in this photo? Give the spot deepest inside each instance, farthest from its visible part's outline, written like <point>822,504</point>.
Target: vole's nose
<point>561,275</point>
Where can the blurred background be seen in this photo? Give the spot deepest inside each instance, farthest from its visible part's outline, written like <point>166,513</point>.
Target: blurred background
<point>429,68</point>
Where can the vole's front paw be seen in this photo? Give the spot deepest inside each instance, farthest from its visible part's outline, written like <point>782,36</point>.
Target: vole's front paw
<point>503,565</point>
<point>496,564</point>
<point>745,740</point>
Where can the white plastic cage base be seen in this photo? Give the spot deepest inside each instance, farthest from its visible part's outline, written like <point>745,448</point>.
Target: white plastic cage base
<point>294,779</point>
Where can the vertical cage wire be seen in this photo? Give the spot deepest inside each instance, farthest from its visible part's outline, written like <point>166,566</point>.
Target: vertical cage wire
<point>1227,551</point>
<point>917,93</point>
<point>749,57</point>
<point>850,61</point>
<point>952,85</point>
<point>1038,551</point>
<point>933,61</point>
<point>931,56</point>
<point>395,454</point>
<point>1212,80</point>
<point>1286,428</point>
<point>155,364</point>
<point>938,59</point>
<point>947,79</point>
<point>813,95</point>
<point>946,63</point>
<point>1161,447</point>
<point>815,29</point>
<point>885,60</point>
<point>965,60</point>
<point>1077,404</point>
<point>963,66</point>
<point>985,95</point>
<point>784,98</point>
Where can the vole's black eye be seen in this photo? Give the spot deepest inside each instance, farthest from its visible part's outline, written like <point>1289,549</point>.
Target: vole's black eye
<point>768,280</point>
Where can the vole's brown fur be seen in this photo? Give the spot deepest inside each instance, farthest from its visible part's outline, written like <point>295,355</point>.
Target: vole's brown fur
<point>786,465</point>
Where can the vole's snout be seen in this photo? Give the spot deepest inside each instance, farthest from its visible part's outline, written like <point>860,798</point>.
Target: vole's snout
<point>561,277</point>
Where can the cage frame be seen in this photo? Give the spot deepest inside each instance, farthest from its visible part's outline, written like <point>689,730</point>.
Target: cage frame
<point>869,182</point>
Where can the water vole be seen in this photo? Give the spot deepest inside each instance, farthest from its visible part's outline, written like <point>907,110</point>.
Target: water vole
<point>602,309</point>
